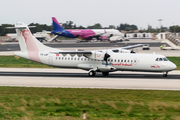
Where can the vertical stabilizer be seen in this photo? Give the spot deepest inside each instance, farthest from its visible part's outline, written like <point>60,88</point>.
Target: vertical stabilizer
<point>27,41</point>
<point>56,25</point>
<point>29,45</point>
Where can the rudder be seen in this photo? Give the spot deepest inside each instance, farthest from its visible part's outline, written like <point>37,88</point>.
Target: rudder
<point>56,25</point>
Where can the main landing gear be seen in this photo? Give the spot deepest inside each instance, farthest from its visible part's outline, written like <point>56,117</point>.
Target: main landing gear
<point>93,73</point>
<point>165,74</point>
<point>105,73</point>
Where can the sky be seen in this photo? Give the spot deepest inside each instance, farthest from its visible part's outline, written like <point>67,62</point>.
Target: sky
<point>89,12</point>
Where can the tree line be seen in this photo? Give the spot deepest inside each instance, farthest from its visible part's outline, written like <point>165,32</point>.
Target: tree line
<point>66,25</point>
<point>71,25</point>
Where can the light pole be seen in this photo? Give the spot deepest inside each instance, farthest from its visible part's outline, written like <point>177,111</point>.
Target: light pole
<point>160,25</point>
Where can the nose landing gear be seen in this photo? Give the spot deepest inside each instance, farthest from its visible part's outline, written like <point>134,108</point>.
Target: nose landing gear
<point>165,74</point>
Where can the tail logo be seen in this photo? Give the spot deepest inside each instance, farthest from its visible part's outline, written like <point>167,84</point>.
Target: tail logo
<point>33,51</point>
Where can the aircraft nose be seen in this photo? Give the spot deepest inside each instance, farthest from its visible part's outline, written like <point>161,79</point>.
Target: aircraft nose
<point>172,66</point>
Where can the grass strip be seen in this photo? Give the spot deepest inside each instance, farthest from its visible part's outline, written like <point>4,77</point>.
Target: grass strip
<point>100,104</point>
<point>12,61</point>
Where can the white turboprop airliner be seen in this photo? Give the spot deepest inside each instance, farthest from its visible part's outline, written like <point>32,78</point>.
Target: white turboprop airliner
<point>104,61</point>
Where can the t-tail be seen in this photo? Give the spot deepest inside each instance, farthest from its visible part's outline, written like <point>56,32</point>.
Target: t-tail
<point>29,45</point>
<point>56,26</point>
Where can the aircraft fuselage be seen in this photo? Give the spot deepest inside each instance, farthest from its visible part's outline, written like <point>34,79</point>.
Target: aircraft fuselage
<point>117,61</point>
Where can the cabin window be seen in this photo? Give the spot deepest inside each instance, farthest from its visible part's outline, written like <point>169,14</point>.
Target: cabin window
<point>111,60</point>
<point>81,58</point>
<point>128,60</point>
<point>65,58</point>
<point>59,58</point>
<point>108,59</point>
<point>135,61</point>
<point>74,58</point>
<point>62,58</point>
<point>115,60</point>
<point>131,60</point>
<point>71,58</point>
<point>85,59</point>
<point>118,60</point>
<point>68,58</point>
<point>124,60</point>
<point>121,60</point>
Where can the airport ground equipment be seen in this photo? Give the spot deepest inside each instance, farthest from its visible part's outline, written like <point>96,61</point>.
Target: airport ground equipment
<point>145,47</point>
<point>170,39</point>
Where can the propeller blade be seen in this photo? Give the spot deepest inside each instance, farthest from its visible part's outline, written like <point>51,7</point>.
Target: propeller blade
<point>106,56</point>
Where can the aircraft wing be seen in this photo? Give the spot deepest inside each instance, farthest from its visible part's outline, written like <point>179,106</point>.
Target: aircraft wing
<point>74,52</point>
<point>97,54</point>
<point>91,52</point>
<point>97,35</point>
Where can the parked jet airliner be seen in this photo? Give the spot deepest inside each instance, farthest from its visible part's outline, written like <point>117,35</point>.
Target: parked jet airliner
<point>104,61</point>
<point>87,34</point>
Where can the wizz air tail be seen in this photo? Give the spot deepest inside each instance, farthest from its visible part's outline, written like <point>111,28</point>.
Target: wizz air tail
<point>56,26</point>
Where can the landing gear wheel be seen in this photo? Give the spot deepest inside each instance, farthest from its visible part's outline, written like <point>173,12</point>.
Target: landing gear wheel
<point>165,74</point>
<point>105,73</point>
<point>92,73</point>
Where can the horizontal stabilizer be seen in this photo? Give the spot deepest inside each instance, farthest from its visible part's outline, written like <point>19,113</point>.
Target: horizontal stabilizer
<point>19,27</point>
<point>15,27</point>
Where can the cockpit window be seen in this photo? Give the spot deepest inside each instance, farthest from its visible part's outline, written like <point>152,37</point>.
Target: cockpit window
<point>161,59</point>
<point>165,59</point>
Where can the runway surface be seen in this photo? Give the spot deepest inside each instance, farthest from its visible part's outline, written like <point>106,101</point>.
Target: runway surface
<point>75,78</point>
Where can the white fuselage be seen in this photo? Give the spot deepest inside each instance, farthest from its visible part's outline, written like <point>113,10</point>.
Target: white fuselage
<point>117,61</point>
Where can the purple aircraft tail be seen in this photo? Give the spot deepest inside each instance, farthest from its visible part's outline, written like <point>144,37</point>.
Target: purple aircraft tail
<point>56,25</point>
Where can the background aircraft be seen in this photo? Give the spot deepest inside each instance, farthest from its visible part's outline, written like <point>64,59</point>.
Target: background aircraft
<point>104,61</point>
<point>87,34</point>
